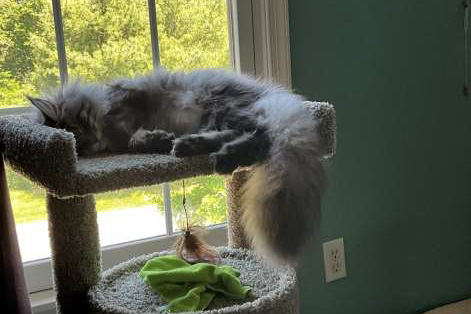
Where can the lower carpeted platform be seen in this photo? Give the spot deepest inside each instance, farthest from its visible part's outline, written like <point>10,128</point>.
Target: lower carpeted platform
<point>274,290</point>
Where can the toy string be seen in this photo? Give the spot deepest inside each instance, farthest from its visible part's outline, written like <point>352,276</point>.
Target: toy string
<point>184,205</point>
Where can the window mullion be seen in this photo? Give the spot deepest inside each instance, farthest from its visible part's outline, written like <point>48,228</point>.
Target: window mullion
<point>154,34</point>
<point>60,43</point>
<point>154,41</point>
<point>168,208</point>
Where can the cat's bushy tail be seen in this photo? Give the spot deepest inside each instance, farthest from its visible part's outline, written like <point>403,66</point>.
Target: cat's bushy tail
<point>282,197</point>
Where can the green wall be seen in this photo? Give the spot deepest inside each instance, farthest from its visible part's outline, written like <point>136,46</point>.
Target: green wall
<point>400,184</point>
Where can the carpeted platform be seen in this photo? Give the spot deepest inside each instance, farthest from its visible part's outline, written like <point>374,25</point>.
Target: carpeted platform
<point>47,156</point>
<point>274,290</point>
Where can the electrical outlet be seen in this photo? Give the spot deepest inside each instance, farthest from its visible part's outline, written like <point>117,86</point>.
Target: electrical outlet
<point>334,260</point>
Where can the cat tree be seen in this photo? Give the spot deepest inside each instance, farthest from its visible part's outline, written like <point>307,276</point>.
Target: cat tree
<point>47,157</point>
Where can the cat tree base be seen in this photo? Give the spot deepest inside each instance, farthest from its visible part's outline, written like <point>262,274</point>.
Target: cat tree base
<point>47,156</point>
<point>274,290</point>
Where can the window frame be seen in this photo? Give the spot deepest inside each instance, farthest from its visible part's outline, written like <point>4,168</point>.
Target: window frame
<point>259,45</point>
<point>259,38</point>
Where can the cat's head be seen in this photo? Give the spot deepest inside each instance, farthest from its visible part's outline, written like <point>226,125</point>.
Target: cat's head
<point>78,109</point>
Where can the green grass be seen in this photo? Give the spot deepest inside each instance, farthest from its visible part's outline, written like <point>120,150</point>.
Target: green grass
<point>206,199</point>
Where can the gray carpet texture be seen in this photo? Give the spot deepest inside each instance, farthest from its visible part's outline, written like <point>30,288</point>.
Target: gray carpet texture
<point>47,157</point>
<point>75,247</point>
<point>274,290</point>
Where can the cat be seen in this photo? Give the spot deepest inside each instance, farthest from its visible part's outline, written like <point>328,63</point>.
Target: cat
<point>236,120</point>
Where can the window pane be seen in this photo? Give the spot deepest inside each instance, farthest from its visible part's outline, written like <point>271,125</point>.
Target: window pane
<point>29,209</point>
<point>28,57</point>
<point>106,39</point>
<point>205,201</point>
<point>193,34</point>
<point>133,210</point>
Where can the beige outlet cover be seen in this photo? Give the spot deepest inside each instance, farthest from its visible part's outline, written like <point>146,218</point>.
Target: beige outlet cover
<point>462,307</point>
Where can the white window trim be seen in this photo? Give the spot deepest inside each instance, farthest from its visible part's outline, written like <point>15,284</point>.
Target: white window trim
<point>259,41</point>
<point>14,110</point>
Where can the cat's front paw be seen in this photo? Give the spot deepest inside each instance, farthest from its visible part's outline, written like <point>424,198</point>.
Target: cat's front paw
<point>146,141</point>
<point>224,163</point>
<point>188,145</point>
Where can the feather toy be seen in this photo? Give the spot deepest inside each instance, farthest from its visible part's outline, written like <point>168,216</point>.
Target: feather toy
<point>190,245</point>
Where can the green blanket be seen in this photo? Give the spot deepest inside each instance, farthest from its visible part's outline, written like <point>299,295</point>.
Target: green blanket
<point>187,287</point>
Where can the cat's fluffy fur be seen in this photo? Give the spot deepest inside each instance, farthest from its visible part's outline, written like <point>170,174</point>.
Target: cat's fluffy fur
<point>235,119</point>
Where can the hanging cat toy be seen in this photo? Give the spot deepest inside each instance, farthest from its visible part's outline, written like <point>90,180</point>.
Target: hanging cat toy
<point>190,245</point>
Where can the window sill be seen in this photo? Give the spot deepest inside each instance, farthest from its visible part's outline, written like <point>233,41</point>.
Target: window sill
<point>43,302</point>
<point>14,110</point>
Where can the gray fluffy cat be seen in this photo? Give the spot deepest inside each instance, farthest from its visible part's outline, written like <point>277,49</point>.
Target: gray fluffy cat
<point>235,119</point>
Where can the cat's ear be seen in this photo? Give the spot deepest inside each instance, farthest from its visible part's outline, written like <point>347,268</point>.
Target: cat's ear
<point>47,108</point>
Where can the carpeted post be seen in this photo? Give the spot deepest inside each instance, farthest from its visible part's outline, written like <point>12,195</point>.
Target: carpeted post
<point>76,256</point>
<point>236,235</point>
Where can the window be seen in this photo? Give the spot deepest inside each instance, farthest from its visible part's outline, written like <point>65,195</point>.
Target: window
<point>42,42</point>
